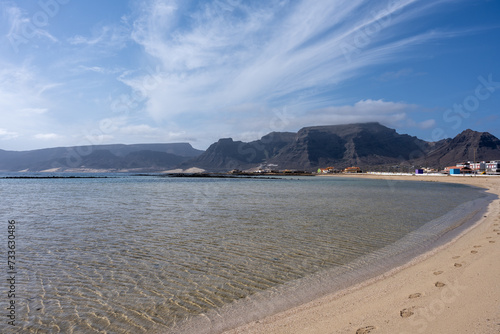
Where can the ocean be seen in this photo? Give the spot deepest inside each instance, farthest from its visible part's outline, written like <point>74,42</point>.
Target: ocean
<point>151,254</point>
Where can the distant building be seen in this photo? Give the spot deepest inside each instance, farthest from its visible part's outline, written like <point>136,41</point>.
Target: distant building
<point>326,170</point>
<point>352,170</point>
<point>476,166</point>
<point>491,167</point>
<point>458,169</point>
<point>466,170</point>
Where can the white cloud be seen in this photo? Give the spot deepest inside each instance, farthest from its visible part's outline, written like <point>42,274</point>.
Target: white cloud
<point>6,135</point>
<point>213,69</point>
<point>47,136</point>
<point>369,108</point>
<point>232,53</point>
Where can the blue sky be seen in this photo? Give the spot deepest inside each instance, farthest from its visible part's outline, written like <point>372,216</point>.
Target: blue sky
<point>98,72</point>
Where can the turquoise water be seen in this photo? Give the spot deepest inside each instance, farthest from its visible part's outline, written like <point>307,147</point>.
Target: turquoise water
<point>145,254</point>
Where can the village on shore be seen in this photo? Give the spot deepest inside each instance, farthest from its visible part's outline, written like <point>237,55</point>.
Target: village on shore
<point>463,168</point>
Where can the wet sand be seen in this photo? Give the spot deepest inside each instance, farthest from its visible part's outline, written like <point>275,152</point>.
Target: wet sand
<point>452,289</point>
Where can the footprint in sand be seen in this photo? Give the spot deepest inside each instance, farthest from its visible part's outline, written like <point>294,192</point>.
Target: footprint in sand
<point>415,295</point>
<point>438,272</point>
<point>405,313</point>
<point>455,257</point>
<point>439,284</point>
<point>492,242</point>
<point>477,246</point>
<point>365,330</point>
<point>473,251</point>
<point>458,265</point>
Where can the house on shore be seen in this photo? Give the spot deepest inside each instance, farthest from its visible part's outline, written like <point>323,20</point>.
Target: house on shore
<point>327,170</point>
<point>455,170</point>
<point>483,167</point>
<point>352,170</point>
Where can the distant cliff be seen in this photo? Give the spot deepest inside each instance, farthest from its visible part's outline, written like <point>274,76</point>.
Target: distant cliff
<point>365,144</point>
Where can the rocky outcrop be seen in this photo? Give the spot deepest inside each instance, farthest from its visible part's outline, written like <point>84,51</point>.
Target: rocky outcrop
<point>226,154</point>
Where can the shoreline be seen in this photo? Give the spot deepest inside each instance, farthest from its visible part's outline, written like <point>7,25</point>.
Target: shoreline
<point>450,289</point>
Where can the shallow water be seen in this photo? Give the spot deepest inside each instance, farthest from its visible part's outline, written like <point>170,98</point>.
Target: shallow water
<point>143,254</point>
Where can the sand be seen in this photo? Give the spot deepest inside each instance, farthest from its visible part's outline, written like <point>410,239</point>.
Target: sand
<point>453,289</point>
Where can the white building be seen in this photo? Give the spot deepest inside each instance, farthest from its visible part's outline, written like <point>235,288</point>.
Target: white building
<point>483,166</point>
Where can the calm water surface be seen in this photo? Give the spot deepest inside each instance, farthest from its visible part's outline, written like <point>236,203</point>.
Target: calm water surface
<point>143,254</point>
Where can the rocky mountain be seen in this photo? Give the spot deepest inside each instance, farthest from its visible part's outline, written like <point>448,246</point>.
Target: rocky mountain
<point>227,154</point>
<point>466,146</point>
<point>364,145</point>
<point>138,157</point>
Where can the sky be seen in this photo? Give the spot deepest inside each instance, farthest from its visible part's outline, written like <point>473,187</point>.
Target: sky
<point>163,71</point>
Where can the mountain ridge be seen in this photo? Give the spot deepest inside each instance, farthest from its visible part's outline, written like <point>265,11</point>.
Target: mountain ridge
<point>119,157</point>
<point>366,145</point>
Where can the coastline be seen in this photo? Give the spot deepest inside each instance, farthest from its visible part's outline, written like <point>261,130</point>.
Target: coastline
<point>412,298</point>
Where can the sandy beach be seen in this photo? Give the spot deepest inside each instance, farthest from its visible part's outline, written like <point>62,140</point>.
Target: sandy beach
<point>452,289</point>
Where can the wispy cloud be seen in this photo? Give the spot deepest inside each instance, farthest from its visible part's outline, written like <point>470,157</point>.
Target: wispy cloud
<point>110,37</point>
<point>24,106</point>
<point>394,75</point>
<point>181,70</point>
<point>240,53</point>
<point>22,29</point>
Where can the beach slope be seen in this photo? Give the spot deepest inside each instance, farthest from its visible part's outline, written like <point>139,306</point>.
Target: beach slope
<point>452,289</point>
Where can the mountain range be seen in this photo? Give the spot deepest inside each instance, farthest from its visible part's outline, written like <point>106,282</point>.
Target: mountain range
<point>366,145</point>
<point>138,157</point>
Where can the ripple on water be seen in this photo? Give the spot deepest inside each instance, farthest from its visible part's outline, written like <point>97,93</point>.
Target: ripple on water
<point>137,254</point>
